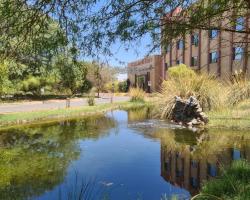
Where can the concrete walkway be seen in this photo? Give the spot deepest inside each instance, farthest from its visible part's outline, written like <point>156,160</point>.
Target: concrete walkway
<point>54,104</point>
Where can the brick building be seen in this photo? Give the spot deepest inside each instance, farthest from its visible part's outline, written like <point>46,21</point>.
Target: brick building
<point>216,52</point>
<point>146,73</point>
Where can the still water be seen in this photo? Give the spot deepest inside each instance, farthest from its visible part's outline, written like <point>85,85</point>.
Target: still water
<point>121,156</point>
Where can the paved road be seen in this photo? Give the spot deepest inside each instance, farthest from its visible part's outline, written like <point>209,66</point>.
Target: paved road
<point>53,104</point>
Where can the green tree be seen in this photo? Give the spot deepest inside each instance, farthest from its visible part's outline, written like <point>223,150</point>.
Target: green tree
<point>95,25</point>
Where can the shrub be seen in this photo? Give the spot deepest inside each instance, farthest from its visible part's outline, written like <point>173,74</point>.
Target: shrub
<point>31,84</point>
<point>111,86</point>
<point>234,183</point>
<point>91,97</point>
<point>85,86</point>
<point>184,82</point>
<point>137,94</point>
<point>122,86</point>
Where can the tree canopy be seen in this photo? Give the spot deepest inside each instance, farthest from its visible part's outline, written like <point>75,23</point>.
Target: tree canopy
<point>93,25</point>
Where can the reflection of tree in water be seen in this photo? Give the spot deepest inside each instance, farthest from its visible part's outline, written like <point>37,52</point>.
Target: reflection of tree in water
<point>35,159</point>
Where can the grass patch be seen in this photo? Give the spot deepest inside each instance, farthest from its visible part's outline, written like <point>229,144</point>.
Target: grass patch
<point>237,117</point>
<point>234,183</point>
<point>137,95</point>
<point>59,114</point>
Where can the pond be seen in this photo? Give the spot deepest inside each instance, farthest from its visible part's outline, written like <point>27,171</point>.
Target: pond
<point>123,155</point>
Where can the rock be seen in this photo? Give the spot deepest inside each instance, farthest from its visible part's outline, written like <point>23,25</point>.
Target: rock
<point>188,112</point>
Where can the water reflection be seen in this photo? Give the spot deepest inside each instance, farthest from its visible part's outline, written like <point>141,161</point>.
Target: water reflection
<point>35,159</point>
<point>131,154</point>
<point>189,158</point>
<point>189,166</point>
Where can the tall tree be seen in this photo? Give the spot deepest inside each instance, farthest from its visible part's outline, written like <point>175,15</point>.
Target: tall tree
<point>95,24</point>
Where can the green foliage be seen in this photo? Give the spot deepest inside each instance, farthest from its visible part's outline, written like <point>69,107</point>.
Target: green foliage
<point>86,86</point>
<point>137,94</point>
<point>6,86</point>
<point>3,77</point>
<point>111,86</point>
<point>91,97</point>
<point>123,86</point>
<point>31,84</point>
<point>234,183</point>
<point>35,159</point>
<point>181,72</point>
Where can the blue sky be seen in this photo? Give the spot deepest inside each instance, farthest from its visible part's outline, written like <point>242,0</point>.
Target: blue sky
<point>122,55</point>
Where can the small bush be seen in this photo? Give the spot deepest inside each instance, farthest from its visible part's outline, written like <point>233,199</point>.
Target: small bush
<point>91,97</point>
<point>123,86</point>
<point>111,86</point>
<point>137,94</point>
<point>31,84</point>
<point>85,86</point>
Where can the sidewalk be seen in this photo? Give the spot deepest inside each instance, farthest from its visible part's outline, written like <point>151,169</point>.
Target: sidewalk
<point>54,104</point>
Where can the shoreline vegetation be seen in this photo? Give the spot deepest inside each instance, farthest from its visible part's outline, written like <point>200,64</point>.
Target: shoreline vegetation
<point>46,116</point>
<point>227,103</point>
<point>232,183</point>
<point>237,117</point>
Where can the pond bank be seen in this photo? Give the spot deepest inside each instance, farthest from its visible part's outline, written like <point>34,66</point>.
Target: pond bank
<point>237,117</point>
<point>18,118</point>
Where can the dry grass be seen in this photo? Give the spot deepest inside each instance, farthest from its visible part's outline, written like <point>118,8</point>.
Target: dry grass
<point>137,94</point>
<point>239,89</point>
<point>237,117</point>
<point>184,82</point>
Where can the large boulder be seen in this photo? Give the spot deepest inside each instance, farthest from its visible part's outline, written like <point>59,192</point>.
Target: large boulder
<point>188,112</point>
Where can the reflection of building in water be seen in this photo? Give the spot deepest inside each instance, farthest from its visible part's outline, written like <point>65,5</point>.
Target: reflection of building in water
<point>179,168</point>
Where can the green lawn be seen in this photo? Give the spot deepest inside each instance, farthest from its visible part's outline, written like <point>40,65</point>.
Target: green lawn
<point>58,114</point>
<point>237,117</point>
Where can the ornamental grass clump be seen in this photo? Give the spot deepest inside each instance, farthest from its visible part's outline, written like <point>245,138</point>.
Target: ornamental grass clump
<point>137,95</point>
<point>182,81</point>
<point>239,89</point>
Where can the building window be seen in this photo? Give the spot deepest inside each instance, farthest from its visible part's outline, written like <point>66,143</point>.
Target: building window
<point>236,154</point>
<point>194,164</point>
<point>167,48</point>
<point>195,39</point>
<point>238,53</point>
<point>180,44</point>
<point>239,24</point>
<point>194,61</point>
<point>194,182</point>
<point>178,62</point>
<point>212,170</point>
<point>166,66</point>
<point>213,57</point>
<point>213,34</point>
